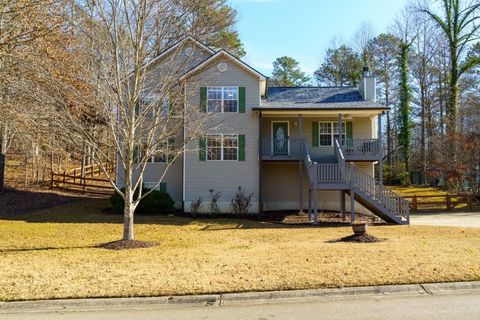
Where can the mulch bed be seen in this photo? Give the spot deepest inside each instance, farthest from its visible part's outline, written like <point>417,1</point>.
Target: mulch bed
<point>360,238</point>
<point>126,244</point>
<point>324,218</point>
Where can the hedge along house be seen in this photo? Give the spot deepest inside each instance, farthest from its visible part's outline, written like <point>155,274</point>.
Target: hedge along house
<point>296,148</point>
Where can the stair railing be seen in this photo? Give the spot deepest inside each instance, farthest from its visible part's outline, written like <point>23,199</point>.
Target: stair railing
<point>367,185</point>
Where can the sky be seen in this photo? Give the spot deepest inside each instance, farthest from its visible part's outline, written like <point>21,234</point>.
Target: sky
<point>303,29</point>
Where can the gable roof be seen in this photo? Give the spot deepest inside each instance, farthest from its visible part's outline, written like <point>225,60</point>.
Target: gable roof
<point>317,98</point>
<point>176,45</point>
<point>223,53</point>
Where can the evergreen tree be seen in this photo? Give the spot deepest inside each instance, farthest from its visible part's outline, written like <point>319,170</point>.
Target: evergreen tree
<point>287,73</point>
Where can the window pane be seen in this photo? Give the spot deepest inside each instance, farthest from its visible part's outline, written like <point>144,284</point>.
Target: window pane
<point>230,93</point>
<point>230,147</point>
<point>214,147</point>
<point>230,105</point>
<point>325,140</point>
<point>325,127</point>
<point>214,99</point>
<point>214,105</point>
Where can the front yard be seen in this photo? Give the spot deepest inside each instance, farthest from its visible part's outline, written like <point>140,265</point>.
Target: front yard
<point>52,254</point>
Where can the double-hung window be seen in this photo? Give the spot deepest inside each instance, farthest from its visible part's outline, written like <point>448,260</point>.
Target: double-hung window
<point>222,99</point>
<point>329,131</point>
<point>222,147</point>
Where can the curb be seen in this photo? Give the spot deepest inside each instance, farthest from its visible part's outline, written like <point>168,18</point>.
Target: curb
<point>238,298</point>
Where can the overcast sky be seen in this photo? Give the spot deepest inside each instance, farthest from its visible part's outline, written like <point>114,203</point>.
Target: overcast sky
<point>303,29</point>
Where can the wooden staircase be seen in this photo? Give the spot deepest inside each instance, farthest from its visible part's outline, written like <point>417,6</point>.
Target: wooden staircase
<point>362,187</point>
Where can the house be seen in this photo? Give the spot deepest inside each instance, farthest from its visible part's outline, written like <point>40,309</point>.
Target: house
<point>296,148</point>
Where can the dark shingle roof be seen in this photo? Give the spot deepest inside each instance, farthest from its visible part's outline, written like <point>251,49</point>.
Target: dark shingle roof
<point>316,98</point>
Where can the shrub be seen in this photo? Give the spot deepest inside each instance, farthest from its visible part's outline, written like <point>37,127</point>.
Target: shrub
<point>195,206</point>
<point>157,202</point>
<point>214,196</point>
<point>241,203</point>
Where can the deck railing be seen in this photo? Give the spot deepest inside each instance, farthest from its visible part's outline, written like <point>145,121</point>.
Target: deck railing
<point>283,147</point>
<point>361,147</point>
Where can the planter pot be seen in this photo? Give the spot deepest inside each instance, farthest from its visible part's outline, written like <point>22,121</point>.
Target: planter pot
<point>360,228</point>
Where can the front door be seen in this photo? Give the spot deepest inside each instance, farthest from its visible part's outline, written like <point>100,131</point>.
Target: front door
<point>280,138</point>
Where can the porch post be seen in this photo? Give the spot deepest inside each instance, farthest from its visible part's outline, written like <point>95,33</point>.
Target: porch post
<point>342,204</point>
<point>352,196</point>
<point>260,164</point>
<point>340,128</point>
<point>315,196</point>
<point>380,153</point>
<point>300,166</point>
<point>309,204</point>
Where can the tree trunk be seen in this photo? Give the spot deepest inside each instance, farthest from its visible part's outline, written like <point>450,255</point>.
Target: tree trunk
<point>128,211</point>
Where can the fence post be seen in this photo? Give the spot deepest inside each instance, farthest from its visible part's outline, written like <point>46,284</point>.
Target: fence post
<point>84,185</point>
<point>51,179</point>
<point>448,202</point>
<point>64,179</point>
<point>414,203</point>
<point>469,201</point>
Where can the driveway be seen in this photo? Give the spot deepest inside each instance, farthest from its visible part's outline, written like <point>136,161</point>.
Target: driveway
<point>448,219</point>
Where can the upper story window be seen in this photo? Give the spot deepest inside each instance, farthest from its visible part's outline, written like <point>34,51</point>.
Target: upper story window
<point>329,131</point>
<point>155,104</point>
<point>222,99</point>
<point>223,147</point>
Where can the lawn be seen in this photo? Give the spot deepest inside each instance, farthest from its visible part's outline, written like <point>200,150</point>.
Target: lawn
<point>51,254</point>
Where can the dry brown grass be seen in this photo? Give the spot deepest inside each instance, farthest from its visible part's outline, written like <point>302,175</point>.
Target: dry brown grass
<point>51,254</point>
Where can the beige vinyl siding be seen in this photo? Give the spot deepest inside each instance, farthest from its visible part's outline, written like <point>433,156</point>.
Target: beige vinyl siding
<point>224,176</point>
<point>153,173</point>
<point>281,181</point>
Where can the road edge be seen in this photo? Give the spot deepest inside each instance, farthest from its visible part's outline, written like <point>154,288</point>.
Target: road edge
<point>222,299</point>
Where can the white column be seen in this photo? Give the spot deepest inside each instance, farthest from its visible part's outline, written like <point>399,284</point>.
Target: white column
<point>300,167</point>
<point>340,128</point>
<point>380,153</point>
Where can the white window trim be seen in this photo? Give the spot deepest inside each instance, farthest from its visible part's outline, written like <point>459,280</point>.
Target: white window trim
<point>221,147</point>
<point>332,133</point>
<point>223,106</point>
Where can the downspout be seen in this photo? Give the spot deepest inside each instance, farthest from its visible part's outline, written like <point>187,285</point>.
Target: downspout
<point>184,147</point>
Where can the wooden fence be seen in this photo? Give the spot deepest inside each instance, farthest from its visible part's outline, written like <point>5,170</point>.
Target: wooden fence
<point>444,202</point>
<point>73,180</point>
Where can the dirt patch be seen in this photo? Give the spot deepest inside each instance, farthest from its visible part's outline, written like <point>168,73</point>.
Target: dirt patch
<point>359,238</point>
<point>127,244</point>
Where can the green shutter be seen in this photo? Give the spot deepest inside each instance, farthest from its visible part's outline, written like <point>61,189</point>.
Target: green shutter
<point>202,149</point>
<point>241,99</point>
<point>315,134</point>
<point>349,134</point>
<point>241,147</point>
<point>163,187</point>
<point>203,99</point>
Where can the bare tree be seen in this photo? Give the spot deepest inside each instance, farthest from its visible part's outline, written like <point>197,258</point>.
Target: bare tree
<point>140,104</point>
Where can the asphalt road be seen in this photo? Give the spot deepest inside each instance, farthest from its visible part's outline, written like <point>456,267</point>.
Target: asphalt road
<point>463,306</point>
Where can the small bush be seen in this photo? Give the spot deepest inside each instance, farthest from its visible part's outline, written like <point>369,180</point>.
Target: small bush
<point>157,202</point>
<point>241,203</point>
<point>214,197</point>
<point>195,206</point>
